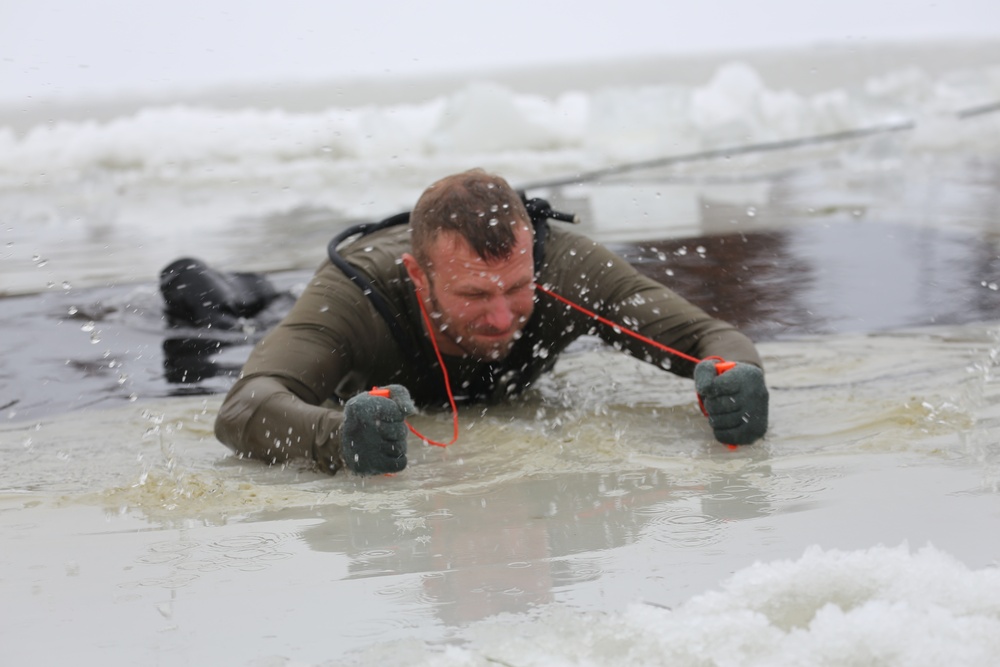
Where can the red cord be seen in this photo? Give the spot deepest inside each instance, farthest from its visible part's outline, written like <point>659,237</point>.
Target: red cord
<point>618,327</point>
<point>447,385</point>
<point>543,290</point>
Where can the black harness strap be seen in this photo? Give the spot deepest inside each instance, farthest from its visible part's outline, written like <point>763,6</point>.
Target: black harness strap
<point>380,304</point>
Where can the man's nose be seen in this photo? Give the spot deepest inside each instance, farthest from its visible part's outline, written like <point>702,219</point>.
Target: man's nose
<point>499,315</point>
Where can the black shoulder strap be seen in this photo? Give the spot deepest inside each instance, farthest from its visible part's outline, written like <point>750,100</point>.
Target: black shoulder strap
<point>364,284</point>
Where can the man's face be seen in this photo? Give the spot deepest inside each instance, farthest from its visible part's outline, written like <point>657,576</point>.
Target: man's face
<point>478,308</point>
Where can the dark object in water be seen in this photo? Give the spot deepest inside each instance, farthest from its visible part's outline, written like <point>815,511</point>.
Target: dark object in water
<point>198,295</point>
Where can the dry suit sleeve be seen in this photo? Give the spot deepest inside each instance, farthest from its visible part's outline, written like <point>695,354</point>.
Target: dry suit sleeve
<point>327,346</point>
<point>263,419</point>
<point>607,284</point>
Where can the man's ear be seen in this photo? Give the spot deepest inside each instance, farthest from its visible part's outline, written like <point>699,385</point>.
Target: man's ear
<point>416,272</point>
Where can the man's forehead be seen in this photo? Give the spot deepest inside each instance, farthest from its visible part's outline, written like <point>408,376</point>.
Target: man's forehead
<point>454,246</point>
<point>472,263</point>
<point>494,271</point>
<point>450,253</point>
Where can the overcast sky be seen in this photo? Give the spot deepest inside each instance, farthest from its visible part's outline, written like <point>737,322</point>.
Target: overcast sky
<point>73,47</point>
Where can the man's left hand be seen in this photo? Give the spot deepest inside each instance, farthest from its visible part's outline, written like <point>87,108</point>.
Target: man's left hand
<point>735,401</point>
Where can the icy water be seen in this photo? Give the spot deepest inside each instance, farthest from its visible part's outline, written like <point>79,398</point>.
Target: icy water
<point>592,521</point>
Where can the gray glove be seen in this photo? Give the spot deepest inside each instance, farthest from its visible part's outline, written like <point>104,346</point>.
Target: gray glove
<point>734,401</point>
<point>373,438</point>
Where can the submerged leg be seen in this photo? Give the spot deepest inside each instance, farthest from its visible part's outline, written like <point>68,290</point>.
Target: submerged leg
<point>198,295</point>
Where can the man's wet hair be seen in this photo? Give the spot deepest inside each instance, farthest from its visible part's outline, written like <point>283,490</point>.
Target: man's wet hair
<point>480,206</point>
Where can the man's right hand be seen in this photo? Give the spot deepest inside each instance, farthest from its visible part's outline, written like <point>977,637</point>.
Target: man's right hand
<point>373,437</point>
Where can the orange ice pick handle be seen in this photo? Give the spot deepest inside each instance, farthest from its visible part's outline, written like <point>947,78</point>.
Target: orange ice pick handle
<point>379,391</point>
<point>724,366</point>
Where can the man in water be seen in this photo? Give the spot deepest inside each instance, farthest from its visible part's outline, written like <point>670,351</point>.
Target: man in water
<point>463,283</point>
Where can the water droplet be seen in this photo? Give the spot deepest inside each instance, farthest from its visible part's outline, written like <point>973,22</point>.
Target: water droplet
<point>88,327</point>
<point>73,310</point>
<point>751,211</point>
